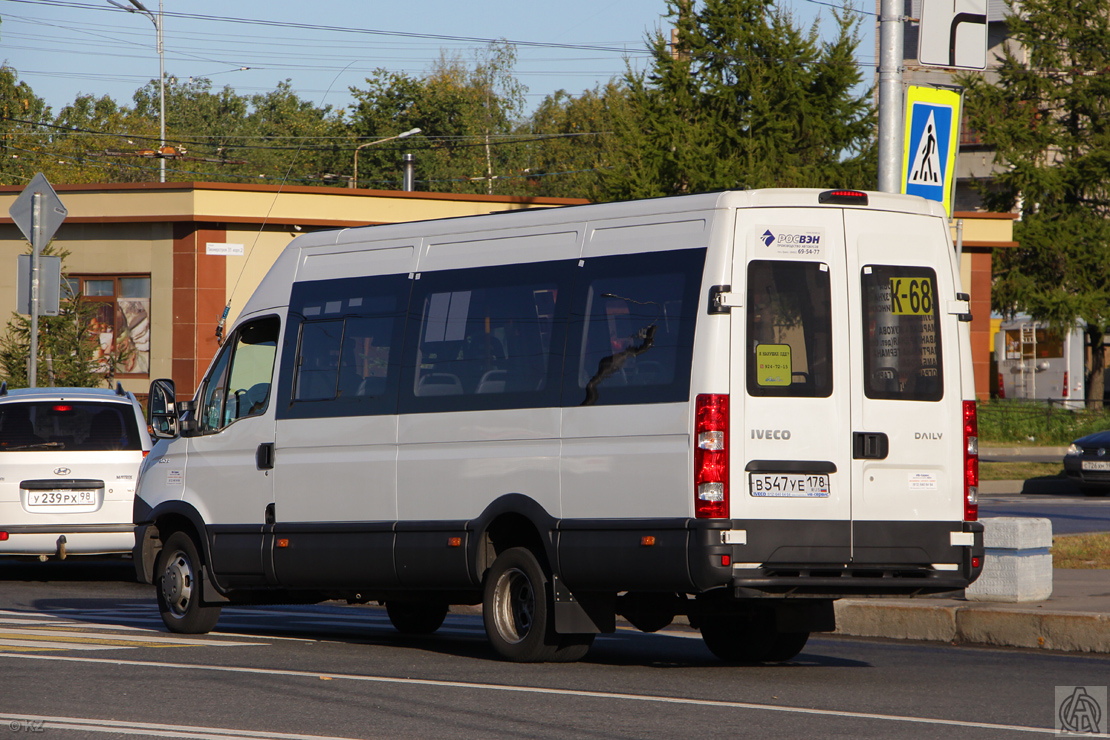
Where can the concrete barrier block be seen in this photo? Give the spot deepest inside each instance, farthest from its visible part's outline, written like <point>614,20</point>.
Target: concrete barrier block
<point>1017,533</point>
<point>1018,564</point>
<point>876,618</point>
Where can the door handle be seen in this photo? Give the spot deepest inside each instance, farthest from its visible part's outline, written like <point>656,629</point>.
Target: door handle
<point>870,445</point>
<point>264,456</point>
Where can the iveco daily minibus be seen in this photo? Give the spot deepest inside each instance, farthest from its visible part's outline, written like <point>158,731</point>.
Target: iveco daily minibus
<point>734,406</point>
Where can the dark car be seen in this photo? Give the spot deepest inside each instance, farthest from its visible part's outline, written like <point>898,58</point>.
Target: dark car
<point>1087,462</point>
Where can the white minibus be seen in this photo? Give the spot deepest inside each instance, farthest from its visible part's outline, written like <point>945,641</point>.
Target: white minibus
<point>735,407</point>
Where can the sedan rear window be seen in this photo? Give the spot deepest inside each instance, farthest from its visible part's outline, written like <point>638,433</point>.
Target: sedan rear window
<point>68,425</point>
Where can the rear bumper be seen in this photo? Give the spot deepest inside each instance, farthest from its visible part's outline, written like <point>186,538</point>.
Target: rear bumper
<point>771,558</point>
<point>857,558</point>
<point>72,539</point>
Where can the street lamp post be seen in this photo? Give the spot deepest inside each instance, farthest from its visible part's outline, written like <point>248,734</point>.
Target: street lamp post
<point>354,178</point>
<point>157,21</point>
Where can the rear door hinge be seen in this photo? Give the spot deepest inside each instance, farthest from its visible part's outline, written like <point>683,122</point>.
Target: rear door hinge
<point>723,300</point>
<point>961,307</point>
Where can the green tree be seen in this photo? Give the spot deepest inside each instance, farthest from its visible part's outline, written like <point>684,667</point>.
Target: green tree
<point>467,115</point>
<point>23,145</point>
<point>202,123</point>
<point>67,348</point>
<point>94,141</point>
<point>291,137</point>
<point>571,163</point>
<point>744,98</point>
<point>1048,117</point>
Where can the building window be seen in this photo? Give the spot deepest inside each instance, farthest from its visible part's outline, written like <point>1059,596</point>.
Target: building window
<point>122,320</point>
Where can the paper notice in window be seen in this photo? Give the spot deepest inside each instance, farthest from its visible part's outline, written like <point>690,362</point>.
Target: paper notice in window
<point>772,364</point>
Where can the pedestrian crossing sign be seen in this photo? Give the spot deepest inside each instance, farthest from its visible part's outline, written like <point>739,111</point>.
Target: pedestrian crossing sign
<point>930,143</point>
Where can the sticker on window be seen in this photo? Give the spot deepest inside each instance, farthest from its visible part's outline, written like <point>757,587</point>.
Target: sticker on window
<point>773,364</point>
<point>911,296</point>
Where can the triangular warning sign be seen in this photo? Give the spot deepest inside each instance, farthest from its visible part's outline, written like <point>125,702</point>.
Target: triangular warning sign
<point>926,168</point>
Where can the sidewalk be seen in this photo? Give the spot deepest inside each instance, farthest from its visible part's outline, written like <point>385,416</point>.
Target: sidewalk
<point>1076,618</point>
<point>1024,454</point>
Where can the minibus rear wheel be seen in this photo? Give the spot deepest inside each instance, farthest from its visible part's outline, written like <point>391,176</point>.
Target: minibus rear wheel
<point>738,640</point>
<point>518,611</point>
<point>178,580</point>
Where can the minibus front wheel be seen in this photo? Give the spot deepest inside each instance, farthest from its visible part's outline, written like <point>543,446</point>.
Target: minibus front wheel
<point>414,618</point>
<point>178,580</point>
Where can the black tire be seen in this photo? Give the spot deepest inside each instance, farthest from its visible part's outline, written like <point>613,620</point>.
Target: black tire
<point>518,612</point>
<point>571,648</point>
<point>414,618</point>
<point>750,641</point>
<point>734,640</point>
<point>786,646</point>
<point>177,578</point>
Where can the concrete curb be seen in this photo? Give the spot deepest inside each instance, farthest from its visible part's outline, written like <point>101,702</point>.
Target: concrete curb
<point>1081,632</point>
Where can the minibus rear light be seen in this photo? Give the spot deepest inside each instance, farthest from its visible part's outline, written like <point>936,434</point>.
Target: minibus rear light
<point>3,536</point>
<point>971,462</point>
<point>714,440</point>
<point>711,456</point>
<point>843,197</point>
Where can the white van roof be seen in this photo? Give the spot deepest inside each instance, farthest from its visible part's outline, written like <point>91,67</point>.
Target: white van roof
<point>61,394</point>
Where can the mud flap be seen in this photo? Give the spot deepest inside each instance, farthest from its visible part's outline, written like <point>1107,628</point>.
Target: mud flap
<point>587,613</point>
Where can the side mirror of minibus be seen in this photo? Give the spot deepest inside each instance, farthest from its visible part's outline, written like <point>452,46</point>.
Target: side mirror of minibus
<point>161,410</point>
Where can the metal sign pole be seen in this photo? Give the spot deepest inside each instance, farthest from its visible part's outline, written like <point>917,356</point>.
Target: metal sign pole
<point>890,96</point>
<point>36,250</point>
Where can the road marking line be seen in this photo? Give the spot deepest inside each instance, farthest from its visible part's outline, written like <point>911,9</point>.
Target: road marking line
<point>605,695</point>
<point>150,640</point>
<point>50,645</point>
<point>68,623</point>
<point>34,723</point>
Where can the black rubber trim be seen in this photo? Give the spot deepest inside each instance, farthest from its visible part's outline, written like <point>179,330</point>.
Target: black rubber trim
<point>62,484</point>
<point>65,528</point>
<point>790,466</point>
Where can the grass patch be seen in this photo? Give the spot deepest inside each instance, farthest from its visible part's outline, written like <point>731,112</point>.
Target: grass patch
<point>1090,551</point>
<point>1009,422</point>
<point>1019,470</point>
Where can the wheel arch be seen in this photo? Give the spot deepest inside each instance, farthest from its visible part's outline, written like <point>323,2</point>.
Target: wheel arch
<point>163,521</point>
<point>512,520</point>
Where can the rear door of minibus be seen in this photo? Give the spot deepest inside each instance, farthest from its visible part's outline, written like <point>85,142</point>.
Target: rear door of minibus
<point>905,388</point>
<point>790,456</point>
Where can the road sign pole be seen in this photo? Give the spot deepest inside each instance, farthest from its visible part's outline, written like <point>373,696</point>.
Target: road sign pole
<point>891,47</point>
<point>38,213</point>
<point>36,250</point>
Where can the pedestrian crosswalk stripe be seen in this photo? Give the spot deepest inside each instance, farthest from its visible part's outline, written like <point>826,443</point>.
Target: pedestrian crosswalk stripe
<point>37,634</point>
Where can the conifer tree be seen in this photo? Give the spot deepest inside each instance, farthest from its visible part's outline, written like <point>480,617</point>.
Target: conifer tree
<point>743,97</point>
<point>1048,117</point>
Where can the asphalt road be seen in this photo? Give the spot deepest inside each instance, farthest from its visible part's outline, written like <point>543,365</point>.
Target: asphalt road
<point>1069,513</point>
<point>84,656</point>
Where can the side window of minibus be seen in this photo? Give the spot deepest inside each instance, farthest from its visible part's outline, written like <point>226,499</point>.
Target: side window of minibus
<point>240,381</point>
<point>633,329</point>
